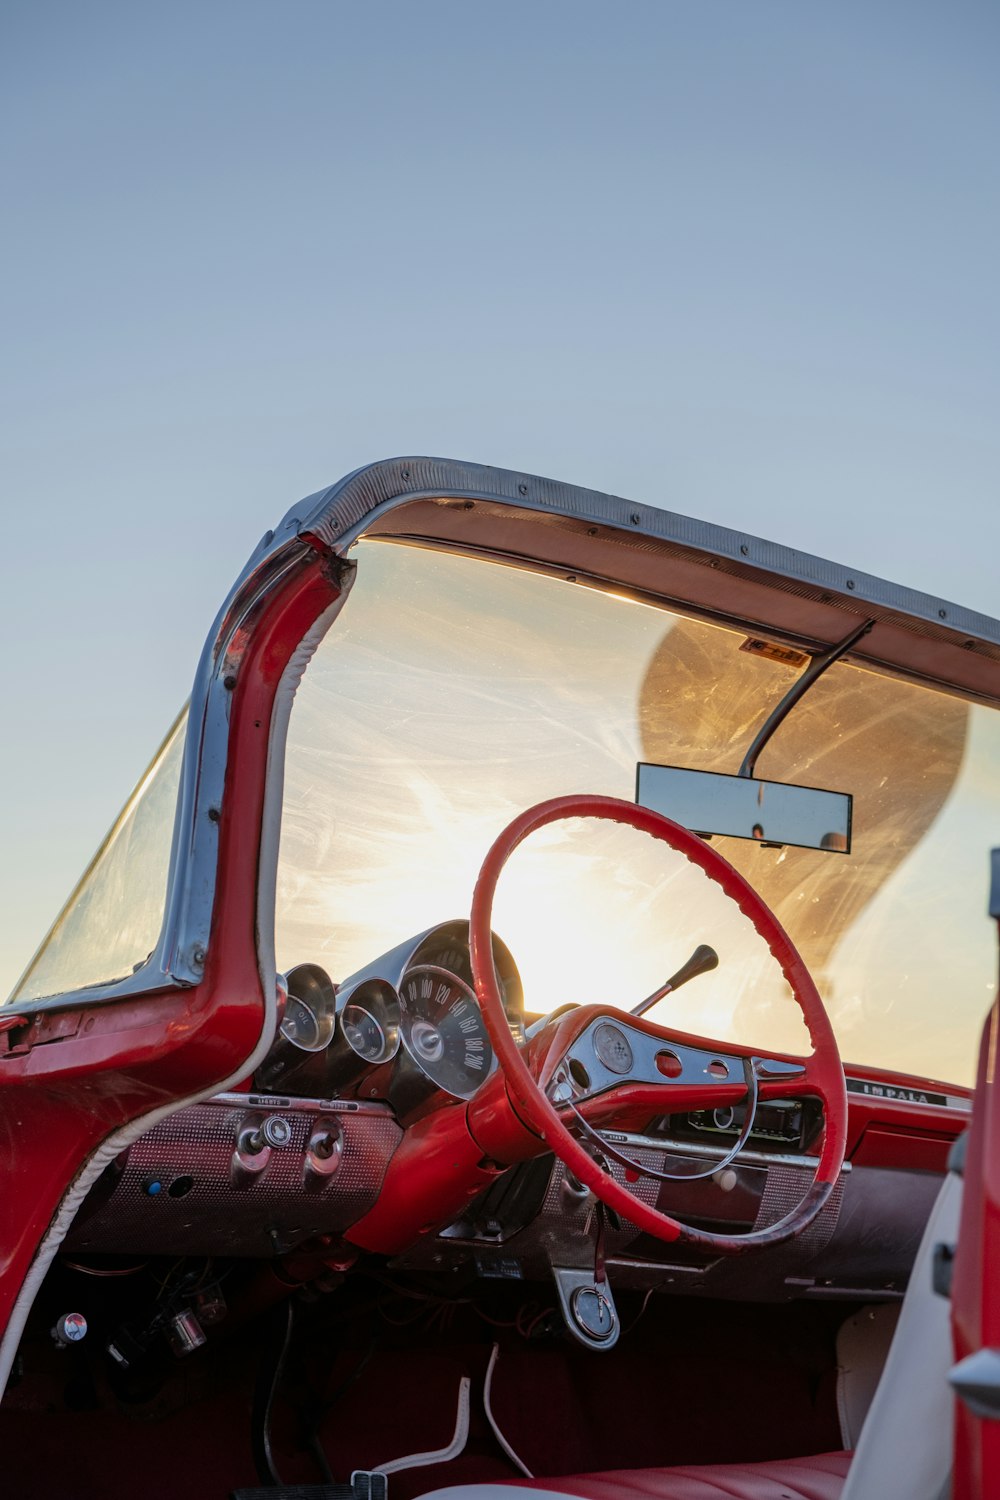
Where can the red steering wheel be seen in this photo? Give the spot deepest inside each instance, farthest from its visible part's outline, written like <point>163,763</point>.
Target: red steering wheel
<point>821,1075</point>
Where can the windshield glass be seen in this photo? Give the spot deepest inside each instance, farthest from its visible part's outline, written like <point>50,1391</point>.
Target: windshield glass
<point>453,693</point>
<point>111,923</point>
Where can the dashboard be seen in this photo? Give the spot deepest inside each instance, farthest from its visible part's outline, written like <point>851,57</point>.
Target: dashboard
<point>357,1131</point>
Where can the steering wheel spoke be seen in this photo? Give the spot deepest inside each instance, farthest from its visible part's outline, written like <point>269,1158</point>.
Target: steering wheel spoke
<point>791,1078</point>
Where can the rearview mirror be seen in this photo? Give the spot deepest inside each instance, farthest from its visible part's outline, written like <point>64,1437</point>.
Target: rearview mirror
<point>743,807</point>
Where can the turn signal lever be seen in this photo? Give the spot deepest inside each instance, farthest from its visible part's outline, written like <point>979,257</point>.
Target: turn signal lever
<point>701,961</point>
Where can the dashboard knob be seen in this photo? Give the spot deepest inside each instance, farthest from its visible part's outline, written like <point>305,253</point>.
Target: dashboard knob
<point>276,1131</point>
<point>324,1150</point>
<point>254,1144</point>
<point>70,1329</point>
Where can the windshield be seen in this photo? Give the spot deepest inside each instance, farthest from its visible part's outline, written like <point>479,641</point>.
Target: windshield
<point>453,693</point>
<point>111,922</point>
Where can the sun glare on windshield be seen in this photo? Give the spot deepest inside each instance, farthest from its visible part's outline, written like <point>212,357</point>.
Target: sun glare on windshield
<point>453,693</point>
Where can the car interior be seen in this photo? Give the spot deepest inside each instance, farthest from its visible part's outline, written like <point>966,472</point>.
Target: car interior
<point>621,908</point>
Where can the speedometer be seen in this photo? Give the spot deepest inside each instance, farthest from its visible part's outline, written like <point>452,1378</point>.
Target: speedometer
<point>443,1030</point>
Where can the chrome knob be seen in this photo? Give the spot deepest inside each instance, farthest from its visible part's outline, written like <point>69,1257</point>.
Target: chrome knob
<point>70,1328</point>
<point>273,1132</point>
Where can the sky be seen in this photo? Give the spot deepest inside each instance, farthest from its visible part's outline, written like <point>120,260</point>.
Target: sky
<point>738,260</point>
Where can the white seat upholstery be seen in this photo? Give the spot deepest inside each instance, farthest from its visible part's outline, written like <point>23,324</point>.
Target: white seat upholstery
<point>906,1442</point>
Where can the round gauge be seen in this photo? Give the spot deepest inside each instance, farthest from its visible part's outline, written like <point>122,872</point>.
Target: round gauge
<point>443,1030</point>
<point>362,1031</point>
<point>299,1026</point>
<point>310,1010</point>
<point>612,1047</point>
<point>369,1022</point>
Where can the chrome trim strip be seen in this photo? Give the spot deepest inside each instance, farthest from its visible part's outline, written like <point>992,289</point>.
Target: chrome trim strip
<point>338,515</point>
<point>695,1148</point>
<point>670,1267</point>
<point>191,885</point>
<point>301,1106</point>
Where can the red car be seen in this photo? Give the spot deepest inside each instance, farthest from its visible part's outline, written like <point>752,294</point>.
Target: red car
<point>435,1080</point>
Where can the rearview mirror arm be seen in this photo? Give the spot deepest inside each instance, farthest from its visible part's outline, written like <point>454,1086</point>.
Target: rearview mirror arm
<point>780,712</point>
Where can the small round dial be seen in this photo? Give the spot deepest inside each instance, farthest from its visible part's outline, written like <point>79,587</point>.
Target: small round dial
<point>443,1030</point>
<point>309,1017</point>
<point>363,1032</point>
<point>299,1025</point>
<point>367,1033</point>
<point>612,1047</point>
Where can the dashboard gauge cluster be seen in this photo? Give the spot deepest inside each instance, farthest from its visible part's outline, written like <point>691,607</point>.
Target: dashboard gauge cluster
<point>405,1028</point>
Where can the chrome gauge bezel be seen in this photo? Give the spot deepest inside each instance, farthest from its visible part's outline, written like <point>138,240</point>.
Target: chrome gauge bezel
<point>378,1001</point>
<point>311,991</point>
<point>444,1071</point>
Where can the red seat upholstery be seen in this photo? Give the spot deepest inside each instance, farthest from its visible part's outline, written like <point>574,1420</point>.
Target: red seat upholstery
<point>819,1478</point>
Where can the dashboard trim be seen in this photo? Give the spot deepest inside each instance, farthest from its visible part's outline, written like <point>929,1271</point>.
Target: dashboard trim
<point>259,1100</point>
<point>898,1093</point>
<point>748,1155</point>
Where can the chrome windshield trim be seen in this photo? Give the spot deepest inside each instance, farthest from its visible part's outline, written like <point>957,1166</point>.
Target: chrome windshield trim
<point>194,854</point>
<point>339,515</point>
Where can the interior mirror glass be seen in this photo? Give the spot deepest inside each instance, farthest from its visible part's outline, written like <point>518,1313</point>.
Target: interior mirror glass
<point>743,807</point>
